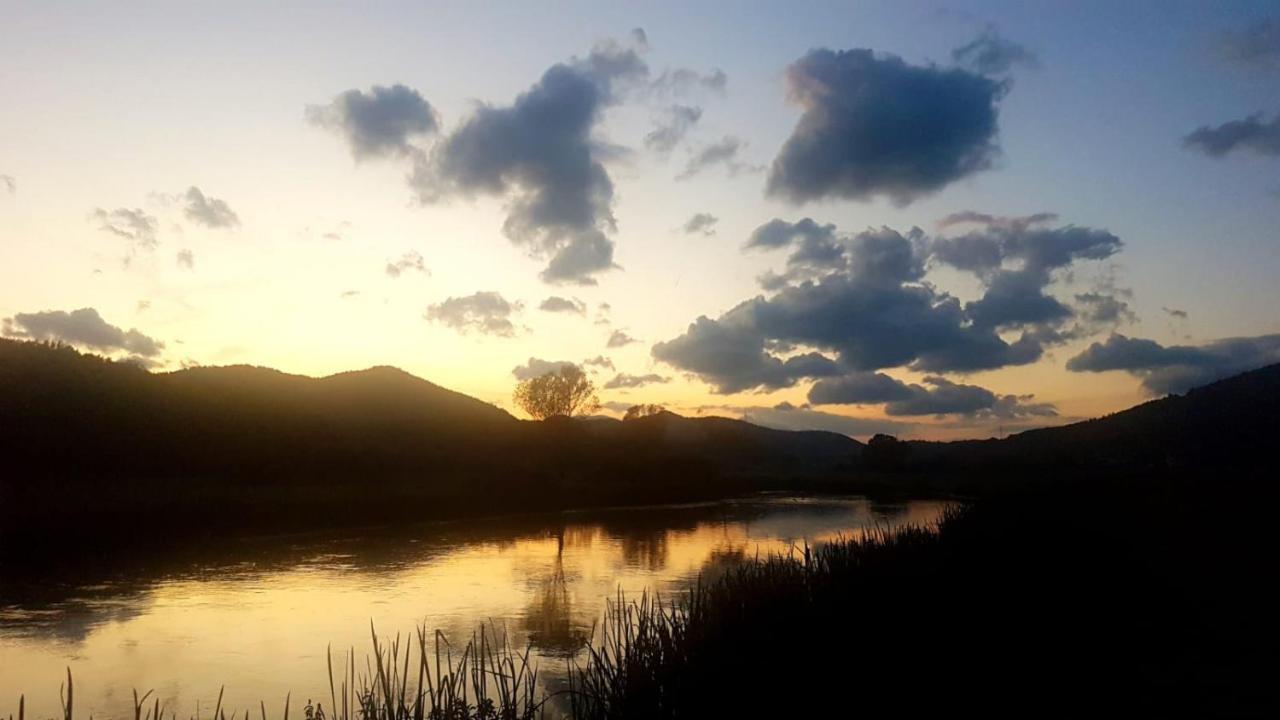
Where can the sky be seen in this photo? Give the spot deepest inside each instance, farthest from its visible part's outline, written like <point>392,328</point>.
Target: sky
<point>936,220</point>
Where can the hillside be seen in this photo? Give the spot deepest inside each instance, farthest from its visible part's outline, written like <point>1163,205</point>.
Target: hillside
<point>1228,424</point>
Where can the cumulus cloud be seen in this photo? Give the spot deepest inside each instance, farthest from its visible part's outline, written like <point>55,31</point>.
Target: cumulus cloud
<point>84,328</point>
<point>671,127</point>
<point>186,259</point>
<point>853,303</point>
<point>208,211</point>
<point>620,339</point>
<point>935,396</point>
<point>876,126</point>
<point>701,223</point>
<point>1252,134</point>
<point>537,367</point>
<point>140,229</point>
<point>485,312</point>
<point>539,155</point>
<point>723,152</point>
<point>992,54</point>
<point>1177,368</point>
<point>1256,45</point>
<point>559,304</point>
<point>625,381</point>
<point>378,123</point>
<point>410,261</point>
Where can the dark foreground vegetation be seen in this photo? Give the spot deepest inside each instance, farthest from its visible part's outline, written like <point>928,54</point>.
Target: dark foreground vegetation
<point>1156,604</point>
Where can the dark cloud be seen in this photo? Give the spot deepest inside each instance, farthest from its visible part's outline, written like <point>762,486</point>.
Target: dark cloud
<point>136,226</point>
<point>1252,134</point>
<point>1177,368</point>
<point>565,305</point>
<point>620,339</point>
<point>878,126</point>
<point>936,396</point>
<point>411,261</point>
<point>208,211</point>
<point>703,223</point>
<point>860,303</point>
<point>625,381</point>
<point>484,312</point>
<point>1175,312</point>
<point>186,259</point>
<point>1105,309</point>
<point>83,327</point>
<point>1257,45</point>
<point>670,129</point>
<point>540,155</point>
<point>379,123</point>
<point>724,152</point>
<point>992,54</point>
<point>537,367</point>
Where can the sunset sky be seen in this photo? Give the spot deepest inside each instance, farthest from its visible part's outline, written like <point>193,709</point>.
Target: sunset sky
<point>931,219</point>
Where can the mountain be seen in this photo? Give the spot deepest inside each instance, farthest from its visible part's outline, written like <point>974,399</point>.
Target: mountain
<point>1228,425</point>
<point>87,441</point>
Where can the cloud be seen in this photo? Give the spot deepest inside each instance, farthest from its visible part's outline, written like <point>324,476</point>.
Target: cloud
<point>1105,309</point>
<point>1257,45</point>
<point>786,416</point>
<point>852,303</point>
<point>668,131</point>
<point>186,259</point>
<point>135,226</point>
<point>936,396</point>
<point>875,126</point>
<point>1177,368</point>
<point>724,152</point>
<point>10,185</point>
<point>410,261</point>
<point>701,223</point>
<point>378,123</point>
<point>599,361</point>
<point>484,312</point>
<point>348,294</point>
<point>537,367</point>
<point>683,81</point>
<point>83,327</point>
<point>620,339</point>
<point>992,54</point>
<point>539,155</point>
<point>1175,312</point>
<point>556,303</point>
<point>625,381</point>
<point>1252,134</point>
<point>208,211</point>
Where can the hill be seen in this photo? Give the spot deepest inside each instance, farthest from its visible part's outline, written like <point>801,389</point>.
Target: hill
<point>87,441</point>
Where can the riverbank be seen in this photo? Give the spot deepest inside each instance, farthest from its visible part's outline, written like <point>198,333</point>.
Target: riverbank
<point>1149,602</point>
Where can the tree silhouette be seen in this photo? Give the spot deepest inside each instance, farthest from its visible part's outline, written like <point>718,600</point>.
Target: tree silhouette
<point>639,411</point>
<point>567,391</point>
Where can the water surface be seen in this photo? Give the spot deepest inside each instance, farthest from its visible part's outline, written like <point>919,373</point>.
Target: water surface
<point>257,615</point>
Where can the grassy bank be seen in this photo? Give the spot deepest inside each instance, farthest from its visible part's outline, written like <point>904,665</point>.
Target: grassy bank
<point>1152,602</point>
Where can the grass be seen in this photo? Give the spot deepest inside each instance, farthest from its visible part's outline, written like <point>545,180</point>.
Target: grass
<point>1047,605</point>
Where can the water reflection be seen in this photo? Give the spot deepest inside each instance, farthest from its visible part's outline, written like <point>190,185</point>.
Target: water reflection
<point>257,615</point>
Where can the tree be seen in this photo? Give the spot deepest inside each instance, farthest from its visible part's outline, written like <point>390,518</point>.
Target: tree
<point>567,391</point>
<point>638,411</point>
